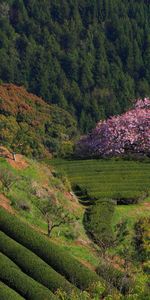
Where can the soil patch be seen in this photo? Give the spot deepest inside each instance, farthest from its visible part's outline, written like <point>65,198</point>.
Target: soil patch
<point>5,203</point>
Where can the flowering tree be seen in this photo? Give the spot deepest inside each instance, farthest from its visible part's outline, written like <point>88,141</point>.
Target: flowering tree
<point>129,132</point>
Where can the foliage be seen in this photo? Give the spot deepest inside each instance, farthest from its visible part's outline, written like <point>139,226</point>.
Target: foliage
<point>32,265</point>
<point>54,214</point>
<point>98,223</point>
<point>122,280</point>
<point>39,129</point>
<point>127,133</point>
<point>51,253</point>
<point>7,293</point>
<point>89,57</point>
<point>142,239</point>
<point>94,292</point>
<point>7,178</point>
<point>22,283</point>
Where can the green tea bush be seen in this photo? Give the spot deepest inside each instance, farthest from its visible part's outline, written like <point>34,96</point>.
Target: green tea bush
<point>57,258</point>
<point>32,265</point>
<point>101,178</point>
<point>98,223</point>
<point>8,294</point>
<point>142,238</point>
<point>22,283</point>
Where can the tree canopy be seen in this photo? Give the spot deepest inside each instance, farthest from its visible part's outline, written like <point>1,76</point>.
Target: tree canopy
<point>89,57</point>
<point>123,134</point>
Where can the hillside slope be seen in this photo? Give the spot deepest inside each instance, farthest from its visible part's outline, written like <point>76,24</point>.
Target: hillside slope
<point>37,196</point>
<point>38,128</point>
<point>31,190</point>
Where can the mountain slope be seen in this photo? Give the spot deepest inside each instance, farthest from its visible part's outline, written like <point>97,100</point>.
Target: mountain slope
<point>89,57</point>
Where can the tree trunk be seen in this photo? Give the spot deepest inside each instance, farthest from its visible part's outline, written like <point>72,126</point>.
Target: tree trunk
<point>49,228</point>
<point>14,156</point>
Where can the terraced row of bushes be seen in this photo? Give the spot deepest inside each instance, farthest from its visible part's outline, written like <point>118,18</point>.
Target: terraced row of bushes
<point>32,265</point>
<point>57,258</point>
<point>142,242</point>
<point>7,293</point>
<point>118,179</point>
<point>22,283</point>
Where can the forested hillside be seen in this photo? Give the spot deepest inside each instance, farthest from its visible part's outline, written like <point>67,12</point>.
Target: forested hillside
<point>89,57</point>
<point>30,126</point>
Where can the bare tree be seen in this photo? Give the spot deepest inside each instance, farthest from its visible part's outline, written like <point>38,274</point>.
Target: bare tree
<point>7,178</point>
<point>54,215</point>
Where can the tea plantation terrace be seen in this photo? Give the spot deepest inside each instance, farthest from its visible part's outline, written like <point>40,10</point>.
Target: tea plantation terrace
<point>33,266</point>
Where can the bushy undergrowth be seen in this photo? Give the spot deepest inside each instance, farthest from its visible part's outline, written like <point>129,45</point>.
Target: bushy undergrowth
<point>32,265</point>
<point>57,258</point>
<point>115,277</point>
<point>22,283</point>
<point>7,293</point>
<point>142,239</point>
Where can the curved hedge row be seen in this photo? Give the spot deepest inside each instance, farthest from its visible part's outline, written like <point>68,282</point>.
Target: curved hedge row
<point>32,265</point>
<point>57,258</point>
<point>7,293</point>
<point>22,283</point>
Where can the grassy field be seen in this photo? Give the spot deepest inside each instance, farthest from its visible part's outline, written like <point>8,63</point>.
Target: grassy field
<point>108,178</point>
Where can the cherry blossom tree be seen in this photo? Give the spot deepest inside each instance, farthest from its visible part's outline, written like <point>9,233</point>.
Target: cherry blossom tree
<point>126,133</point>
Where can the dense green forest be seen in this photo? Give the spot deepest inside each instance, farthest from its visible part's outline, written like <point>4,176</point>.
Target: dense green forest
<point>89,57</point>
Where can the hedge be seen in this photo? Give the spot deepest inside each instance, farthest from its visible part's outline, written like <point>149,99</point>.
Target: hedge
<point>59,259</point>
<point>8,294</point>
<point>22,283</point>
<point>32,265</point>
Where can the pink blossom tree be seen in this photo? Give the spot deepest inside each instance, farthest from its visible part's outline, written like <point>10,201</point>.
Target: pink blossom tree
<point>129,132</point>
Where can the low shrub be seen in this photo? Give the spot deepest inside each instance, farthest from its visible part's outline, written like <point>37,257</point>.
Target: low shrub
<point>54,255</point>
<point>130,200</point>
<point>32,265</point>
<point>114,277</point>
<point>146,267</point>
<point>141,240</point>
<point>22,283</point>
<point>8,294</point>
<point>24,205</point>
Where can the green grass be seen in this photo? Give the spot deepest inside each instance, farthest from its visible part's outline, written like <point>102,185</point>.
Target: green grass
<point>107,178</point>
